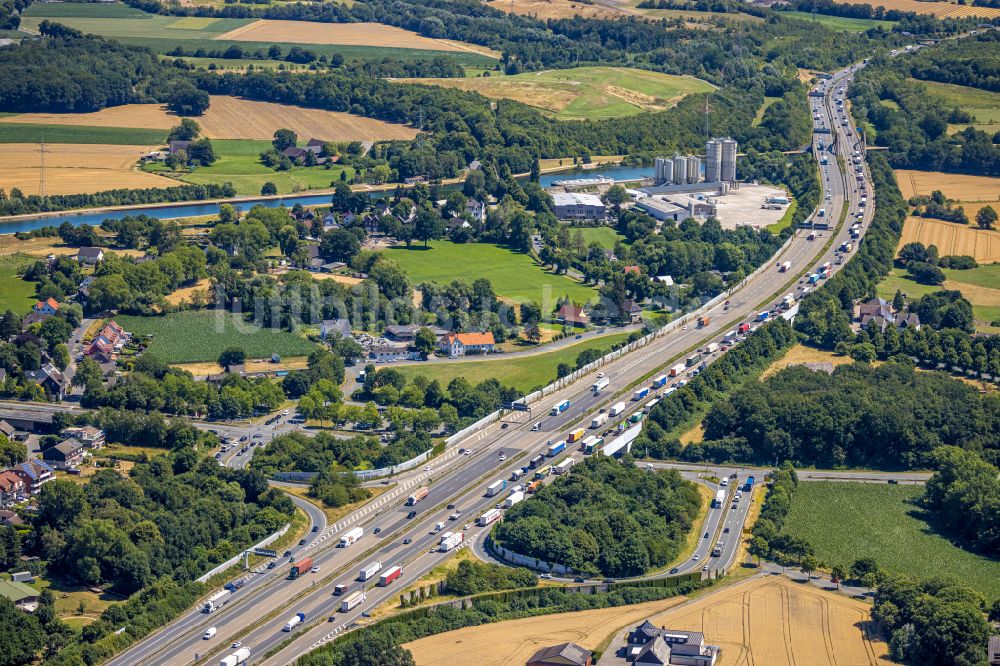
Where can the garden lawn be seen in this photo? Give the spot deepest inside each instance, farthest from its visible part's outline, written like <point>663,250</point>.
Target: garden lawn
<point>523,373</point>
<point>15,293</point>
<point>514,275</point>
<point>980,286</point>
<point>239,163</point>
<point>606,237</point>
<point>189,337</point>
<point>846,521</point>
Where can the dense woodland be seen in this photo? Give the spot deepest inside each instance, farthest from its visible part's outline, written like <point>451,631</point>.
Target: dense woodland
<point>886,417</point>
<point>606,517</point>
<point>966,62</point>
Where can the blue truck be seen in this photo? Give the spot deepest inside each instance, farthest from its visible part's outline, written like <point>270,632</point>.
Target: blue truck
<point>640,394</point>
<point>659,381</point>
<point>560,408</point>
<point>763,315</point>
<point>556,449</point>
<point>748,486</point>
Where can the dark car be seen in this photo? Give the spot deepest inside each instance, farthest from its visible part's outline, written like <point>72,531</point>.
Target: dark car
<point>331,618</point>
<point>725,531</point>
<point>732,476</point>
<point>288,553</point>
<point>460,451</point>
<point>377,530</point>
<point>272,564</point>
<point>609,580</point>
<point>302,542</point>
<point>505,426</point>
<point>407,541</point>
<point>893,482</point>
<point>451,506</point>
<point>674,570</point>
<point>579,580</point>
<point>315,528</point>
<point>411,515</point>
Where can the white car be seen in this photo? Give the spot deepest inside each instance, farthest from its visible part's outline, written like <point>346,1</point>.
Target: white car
<point>236,644</point>
<point>695,557</point>
<point>315,569</point>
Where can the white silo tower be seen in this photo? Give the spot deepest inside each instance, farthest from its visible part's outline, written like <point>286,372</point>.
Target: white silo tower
<point>680,169</point>
<point>728,172</point>
<point>713,161</point>
<point>694,168</point>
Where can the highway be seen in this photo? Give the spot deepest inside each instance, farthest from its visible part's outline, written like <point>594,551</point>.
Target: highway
<point>255,614</point>
<point>462,484</point>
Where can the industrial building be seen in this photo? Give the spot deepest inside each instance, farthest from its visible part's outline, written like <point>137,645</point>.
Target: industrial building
<point>575,206</point>
<point>679,170</point>
<point>720,160</point>
<point>676,207</point>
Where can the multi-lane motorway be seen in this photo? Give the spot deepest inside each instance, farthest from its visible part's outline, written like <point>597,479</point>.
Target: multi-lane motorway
<point>255,615</point>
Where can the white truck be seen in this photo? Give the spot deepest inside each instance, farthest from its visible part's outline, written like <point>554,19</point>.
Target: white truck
<point>599,420</point>
<point>294,621</point>
<point>564,466</point>
<point>712,347</point>
<point>617,409</point>
<point>496,488</point>
<point>513,499</point>
<point>730,336</point>
<point>352,535</point>
<point>490,516</point>
<point>600,384</point>
<point>241,656</point>
<point>212,602</point>
<point>369,571</point>
<point>451,540</point>
<point>352,600</point>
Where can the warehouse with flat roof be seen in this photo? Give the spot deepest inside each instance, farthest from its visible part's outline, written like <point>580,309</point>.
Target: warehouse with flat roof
<point>577,206</point>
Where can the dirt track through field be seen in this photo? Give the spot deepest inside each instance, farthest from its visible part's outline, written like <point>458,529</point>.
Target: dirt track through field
<point>345,34</point>
<point>75,168</point>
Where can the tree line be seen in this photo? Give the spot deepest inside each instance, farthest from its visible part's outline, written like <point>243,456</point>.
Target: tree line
<point>605,517</point>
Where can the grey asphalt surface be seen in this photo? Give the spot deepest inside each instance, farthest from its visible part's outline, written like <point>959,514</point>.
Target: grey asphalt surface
<point>256,615</point>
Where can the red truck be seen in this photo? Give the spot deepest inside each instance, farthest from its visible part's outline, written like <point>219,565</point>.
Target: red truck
<point>300,567</point>
<point>744,328</point>
<point>390,575</point>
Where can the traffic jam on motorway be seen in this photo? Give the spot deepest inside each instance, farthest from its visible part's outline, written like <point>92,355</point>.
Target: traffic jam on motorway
<point>609,431</point>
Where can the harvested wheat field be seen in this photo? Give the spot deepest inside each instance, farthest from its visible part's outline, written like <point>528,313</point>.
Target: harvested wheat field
<point>75,168</point>
<point>346,34</point>
<point>775,621</point>
<point>515,641</point>
<point>145,116</point>
<point>952,238</point>
<point>212,368</point>
<point>955,186</point>
<point>557,9</point>
<point>939,9</point>
<point>235,118</point>
<point>799,355</point>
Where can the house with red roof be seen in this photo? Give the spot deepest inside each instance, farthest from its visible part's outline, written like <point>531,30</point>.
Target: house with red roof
<point>464,344</point>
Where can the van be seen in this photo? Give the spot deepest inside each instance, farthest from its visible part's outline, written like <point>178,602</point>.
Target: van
<point>209,633</point>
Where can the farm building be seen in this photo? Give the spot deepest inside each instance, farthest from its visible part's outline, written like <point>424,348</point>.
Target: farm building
<point>564,654</point>
<point>464,344</point>
<point>89,255</point>
<point>572,315</point>
<point>574,206</point>
<point>22,595</point>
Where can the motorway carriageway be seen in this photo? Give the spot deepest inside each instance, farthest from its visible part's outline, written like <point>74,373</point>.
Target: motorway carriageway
<point>178,644</point>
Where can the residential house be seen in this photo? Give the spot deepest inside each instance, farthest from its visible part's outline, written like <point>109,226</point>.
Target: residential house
<point>89,436</point>
<point>649,644</point>
<point>315,262</point>
<point>295,154</point>
<point>564,654</point>
<point>335,326</point>
<point>12,488</point>
<point>879,313</point>
<point>7,430</point>
<point>109,341</point>
<point>49,306</point>
<point>466,344</point>
<point>89,255</point>
<point>35,473</point>
<point>332,267</point>
<point>51,379</point>
<point>572,315</point>
<point>476,210</point>
<point>67,454</point>
<point>632,311</point>
<point>632,269</point>
<point>10,519</point>
<point>330,222</point>
<point>84,289</point>
<point>33,318</point>
<point>315,146</point>
<point>22,595</point>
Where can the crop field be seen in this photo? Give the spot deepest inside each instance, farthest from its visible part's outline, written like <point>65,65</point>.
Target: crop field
<point>939,9</point>
<point>514,275</point>
<point>523,372</point>
<point>114,20</point>
<point>952,238</point>
<point>556,9</point>
<point>955,186</point>
<point>15,293</point>
<point>188,337</point>
<point>74,168</point>
<point>239,164</point>
<point>347,34</point>
<point>842,23</point>
<point>16,132</point>
<point>775,621</point>
<point>230,118</point>
<point>588,93</point>
<point>845,521</point>
<point>514,642</point>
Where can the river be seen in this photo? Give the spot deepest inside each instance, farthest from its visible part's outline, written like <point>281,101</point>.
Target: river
<point>196,209</point>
